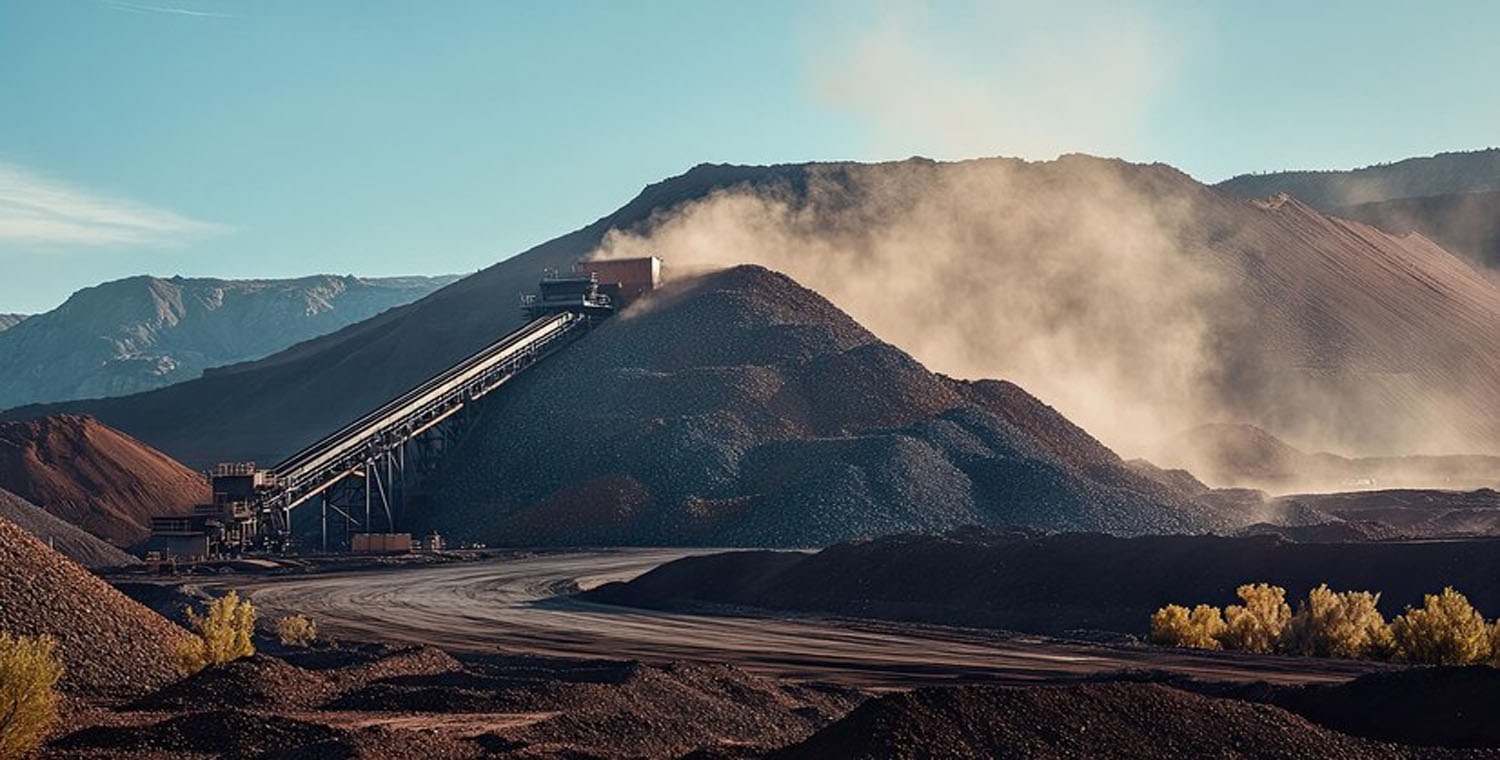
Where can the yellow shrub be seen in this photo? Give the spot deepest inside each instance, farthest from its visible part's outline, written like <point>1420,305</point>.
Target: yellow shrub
<point>29,671</point>
<point>1174,626</point>
<point>222,634</point>
<point>1445,630</point>
<point>1260,623</point>
<point>1338,624</point>
<point>296,630</point>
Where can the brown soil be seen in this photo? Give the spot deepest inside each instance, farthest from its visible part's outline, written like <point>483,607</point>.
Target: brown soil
<point>109,643</point>
<point>94,476</point>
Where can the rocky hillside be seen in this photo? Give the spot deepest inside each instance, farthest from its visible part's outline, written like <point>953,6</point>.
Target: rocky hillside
<point>1442,174</point>
<point>68,539</point>
<point>110,645</point>
<point>146,332</point>
<point>1135,300</point>
<point>1239,455</point>
<point>739,408</point>
<point>8,321</point>
<point>94,476</point>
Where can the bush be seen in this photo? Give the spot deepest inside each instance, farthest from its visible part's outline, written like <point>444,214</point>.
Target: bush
<point>296,631</point>
<point>1445,630</point>
<point>29,671</point>
<point>222,635</point>
<point>1174,626</point>
<point>1260,623</point>
<point>1338,624</point>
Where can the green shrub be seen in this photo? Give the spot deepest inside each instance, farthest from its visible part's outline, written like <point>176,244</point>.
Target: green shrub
<point>1175,626</point>
<point>222,634</point>
<point>296,630</point>
<point>29,672</point>
<point>1260,623</point>
<point>1338,624</point>
<point>1445,630</point>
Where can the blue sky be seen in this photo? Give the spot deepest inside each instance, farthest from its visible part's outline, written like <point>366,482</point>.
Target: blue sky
<point>249,138</point>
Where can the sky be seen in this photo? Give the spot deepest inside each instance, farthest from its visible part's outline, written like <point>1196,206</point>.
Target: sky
<point>276,138</point>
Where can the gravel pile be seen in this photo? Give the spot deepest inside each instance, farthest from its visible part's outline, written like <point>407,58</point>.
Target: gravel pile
<point>1120,720</point>
<point>1450,707</point>
<point>257,681</point>
<point>110,644</point>
<point>72,541</point>
<point>740,408</point>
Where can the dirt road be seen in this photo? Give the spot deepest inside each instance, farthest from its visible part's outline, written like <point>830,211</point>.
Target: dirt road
<point>512,604</point>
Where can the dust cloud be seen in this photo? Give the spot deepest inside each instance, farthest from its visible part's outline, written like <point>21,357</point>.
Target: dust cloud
<point>1060,277</point>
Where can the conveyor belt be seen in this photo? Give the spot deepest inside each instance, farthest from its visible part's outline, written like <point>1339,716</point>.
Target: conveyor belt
<point>315,468</point>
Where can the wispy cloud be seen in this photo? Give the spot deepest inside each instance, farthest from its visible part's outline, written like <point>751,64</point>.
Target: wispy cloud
<point>130,7</point>
<point>38,211</point>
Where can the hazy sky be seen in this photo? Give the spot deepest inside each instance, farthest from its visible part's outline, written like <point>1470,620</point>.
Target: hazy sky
<point>286,137</point>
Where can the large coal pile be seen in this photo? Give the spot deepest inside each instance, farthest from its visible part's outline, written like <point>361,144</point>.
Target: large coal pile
<point>72,541</point>
<point>1087,720</point>
<point>739,408</point>
<point>109,644</point>
<point>1055,584</point>
<point>94,476</point>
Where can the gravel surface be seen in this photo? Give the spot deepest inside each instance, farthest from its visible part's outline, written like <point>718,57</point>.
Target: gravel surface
<point>740,408</point>
<point>109,643</point>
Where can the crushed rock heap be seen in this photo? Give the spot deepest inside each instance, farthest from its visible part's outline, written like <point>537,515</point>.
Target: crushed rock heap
<point>739,408</point>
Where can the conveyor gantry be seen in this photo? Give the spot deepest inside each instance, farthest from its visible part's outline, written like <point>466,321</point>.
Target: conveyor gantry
<point>378,438</point>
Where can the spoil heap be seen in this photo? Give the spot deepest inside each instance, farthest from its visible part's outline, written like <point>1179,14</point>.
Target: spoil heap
<point>1088,720</point>
<point>109,644</point>
<point>739,408</point>
<point>94,476</point>
<point>72,541</point>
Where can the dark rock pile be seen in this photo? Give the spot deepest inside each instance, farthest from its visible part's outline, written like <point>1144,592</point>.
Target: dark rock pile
<point>739,408</point>
<point>110,644</point>
<point>1120,720</point>
<point>73,542</point>
<point>1058,583</point>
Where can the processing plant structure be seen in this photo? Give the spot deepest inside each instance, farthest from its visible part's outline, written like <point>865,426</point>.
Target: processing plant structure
<point>363,476</point>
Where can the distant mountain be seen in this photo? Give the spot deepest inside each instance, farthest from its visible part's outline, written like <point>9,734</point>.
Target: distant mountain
<point>1452,199</point>
<point>8,321</point>
<point>1133,299</point>
<point>146,332</point>
<point>1442,174</point>
<point>94,477</point>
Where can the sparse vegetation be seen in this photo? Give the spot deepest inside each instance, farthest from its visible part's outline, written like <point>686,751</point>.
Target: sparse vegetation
<point>1259,624</point>
<point>1445,630</point>
<point>222,634</point>
<point>30,669</point>
<point>296,631</point>
<point>1177,627</point>
<point>1338,624</point>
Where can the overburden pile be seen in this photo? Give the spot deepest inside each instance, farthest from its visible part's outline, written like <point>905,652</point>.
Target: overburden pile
<point>94,476</point>
<point>739,408</point>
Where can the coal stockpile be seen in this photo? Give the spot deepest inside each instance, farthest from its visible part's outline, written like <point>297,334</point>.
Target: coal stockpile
<point>1089,720</point>
<point>739,408</point>
<point>110,644</point>
<point>1056,584</point>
